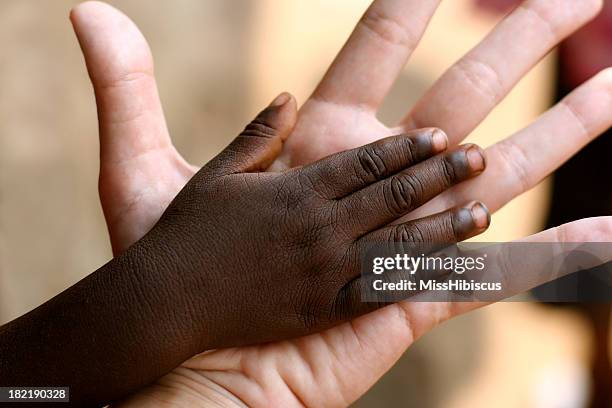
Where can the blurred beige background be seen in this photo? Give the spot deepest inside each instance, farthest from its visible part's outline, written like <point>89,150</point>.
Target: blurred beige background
<point>217,62</point>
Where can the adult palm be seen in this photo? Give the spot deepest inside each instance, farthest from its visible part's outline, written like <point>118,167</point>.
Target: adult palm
<point>141,172</point>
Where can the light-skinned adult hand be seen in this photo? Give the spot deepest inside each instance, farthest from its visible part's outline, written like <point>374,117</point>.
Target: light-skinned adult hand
<point>141,172</point>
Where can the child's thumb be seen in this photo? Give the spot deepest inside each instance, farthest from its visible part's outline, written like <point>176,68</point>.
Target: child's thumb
<point>261,141</point>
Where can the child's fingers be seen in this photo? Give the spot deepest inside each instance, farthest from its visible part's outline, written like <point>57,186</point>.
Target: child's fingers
<point>120,66</point>
<point>425,234</point>
<point>450,226</point>
<point>510,268</point>
<point>389,199</point>
<point>343,173</point>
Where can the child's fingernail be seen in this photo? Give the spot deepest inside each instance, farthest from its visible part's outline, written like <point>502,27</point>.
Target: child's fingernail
<point>280,100</point>
<point>439,140</point>
<point>475,158</point>
<point>480,215</point>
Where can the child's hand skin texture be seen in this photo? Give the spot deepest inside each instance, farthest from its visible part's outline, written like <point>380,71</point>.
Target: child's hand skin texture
<point>242,256</point>
<point>268,256</point>
<point>141,173</point>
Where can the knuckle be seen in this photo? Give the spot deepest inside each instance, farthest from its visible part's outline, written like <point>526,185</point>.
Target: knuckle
<point>482,77</point>
<point>410,146</point>
<point>388,29</point>
<point>504,270</point>
<point>516,161</point>
<point>127,78</point>
<point>545,16</point>
<point>448,168</point>
<point>407,234</point>
<point>402,193</point>
<point>576,116</point>
<point>259,128</point>
<point>371,162</point>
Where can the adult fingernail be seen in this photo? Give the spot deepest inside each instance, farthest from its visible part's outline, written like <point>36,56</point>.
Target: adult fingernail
<point>480,215</point>
<point>475,158</point>
<point>439,140</point>
<point>280,100</point>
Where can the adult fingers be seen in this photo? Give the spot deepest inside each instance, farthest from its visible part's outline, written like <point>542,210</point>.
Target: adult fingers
<point>528,269</point>
<point>521,161</point>
<point>366,67</point>
<point>472,87</point>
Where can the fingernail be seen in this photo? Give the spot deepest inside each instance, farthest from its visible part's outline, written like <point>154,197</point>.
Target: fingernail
<point>439,140</point>
<point>280,100</point>
<point>475,158</point>
<point>480,215</point>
